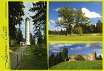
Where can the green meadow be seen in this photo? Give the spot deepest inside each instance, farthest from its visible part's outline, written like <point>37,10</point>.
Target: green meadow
<point>79,65</point>
<point>75,37</point>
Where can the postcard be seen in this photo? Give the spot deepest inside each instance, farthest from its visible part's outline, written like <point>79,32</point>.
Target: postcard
<point>51,35</point>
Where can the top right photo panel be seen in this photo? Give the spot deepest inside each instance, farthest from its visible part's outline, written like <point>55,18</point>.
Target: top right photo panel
<point>75,21</point>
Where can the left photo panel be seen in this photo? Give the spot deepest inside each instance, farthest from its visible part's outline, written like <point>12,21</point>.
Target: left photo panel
<point>27,35</point>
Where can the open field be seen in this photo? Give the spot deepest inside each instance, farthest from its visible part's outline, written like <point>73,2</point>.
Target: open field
<point>74,37</point>
<point>84,65</point>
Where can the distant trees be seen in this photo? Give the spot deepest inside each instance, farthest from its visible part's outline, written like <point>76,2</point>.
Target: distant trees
<point>58,58</point>
<point>99,26</point>
<point>15,17</point>
<point>99,57</point>
<point>84,28</point>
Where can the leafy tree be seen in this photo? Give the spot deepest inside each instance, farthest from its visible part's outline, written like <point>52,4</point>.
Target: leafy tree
<point>79,30</point>
<point>15,17</point>
<point>70,18</point>
<point>66,19</point>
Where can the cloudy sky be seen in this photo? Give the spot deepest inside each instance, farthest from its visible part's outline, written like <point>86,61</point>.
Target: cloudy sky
<point>93,10</point>
<point>85,48</point>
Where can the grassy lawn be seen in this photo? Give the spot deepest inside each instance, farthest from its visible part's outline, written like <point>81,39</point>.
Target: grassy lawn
<point>84,65</point>
<point>74,37</point>
<point>35,58</point>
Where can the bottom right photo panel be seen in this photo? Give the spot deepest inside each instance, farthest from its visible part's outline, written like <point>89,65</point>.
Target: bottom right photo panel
<point>75,56</point>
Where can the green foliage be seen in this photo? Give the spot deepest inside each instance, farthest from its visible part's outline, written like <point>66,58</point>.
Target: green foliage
<point>35,58</point>
<point>51,60</point>
<point>99,26</point>
<point>78,31</point>
<point>12,42</point>
<point>65,53</point>
<point>39,20</point>
<point>60,57</point>
<point>61,32</point>
<point>19,36</point>
<point>78,65</point>
<point>15,17</point>
<point>40,38</point>
<point>71,17</point>
<point>99,57</point>
<point>31,39</point>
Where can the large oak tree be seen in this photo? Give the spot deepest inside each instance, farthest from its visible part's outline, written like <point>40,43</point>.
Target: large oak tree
<point>69,18</point>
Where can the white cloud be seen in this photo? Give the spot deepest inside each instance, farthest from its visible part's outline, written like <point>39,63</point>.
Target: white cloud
<point>57,47</point>
<point>52,21</point>
<point>87,45</point>
<point>68,44</point>
<point>90,14</point>
<point>94,46</point>
<point>59,29</point>
<point>77,48</point>
<point>60,19</point>
<point>55,51</point>
<point>56,9</point>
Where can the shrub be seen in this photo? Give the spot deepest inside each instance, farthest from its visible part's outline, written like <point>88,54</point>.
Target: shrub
<point>78,30</point>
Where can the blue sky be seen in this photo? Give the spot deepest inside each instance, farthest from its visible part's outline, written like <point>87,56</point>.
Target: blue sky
<point>85,48</point>
<point>93,10</point>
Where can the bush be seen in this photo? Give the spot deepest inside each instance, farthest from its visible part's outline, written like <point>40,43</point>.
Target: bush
<point>78,30</point>
<point>12,42</point>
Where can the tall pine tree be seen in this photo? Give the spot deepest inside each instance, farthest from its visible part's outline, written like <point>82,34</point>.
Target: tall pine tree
<point>15,17</point>
<point>39,19</point>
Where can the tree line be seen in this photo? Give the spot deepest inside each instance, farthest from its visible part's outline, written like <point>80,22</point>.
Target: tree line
<point>97,28</point>
<point>63,56</point>
<point>75,21</point>
<point>58,58</point>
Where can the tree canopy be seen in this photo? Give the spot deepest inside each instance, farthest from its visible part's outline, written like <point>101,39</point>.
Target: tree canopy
<point>70,18</point>
<point>15,17</point>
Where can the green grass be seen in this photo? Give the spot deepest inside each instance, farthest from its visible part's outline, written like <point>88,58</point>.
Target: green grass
<point>15,47</point>
<point>79,65</point>
<point>74,37</point>
<point>35,58</point>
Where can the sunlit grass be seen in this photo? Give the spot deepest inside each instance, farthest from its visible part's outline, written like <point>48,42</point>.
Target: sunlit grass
<point>74,37</point>
<point>80,65</point>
